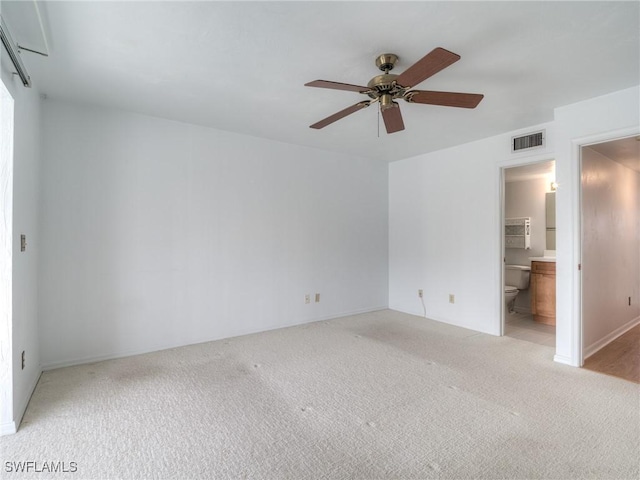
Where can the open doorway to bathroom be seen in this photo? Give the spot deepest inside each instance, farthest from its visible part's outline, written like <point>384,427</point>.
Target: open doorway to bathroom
<point>529,253</point>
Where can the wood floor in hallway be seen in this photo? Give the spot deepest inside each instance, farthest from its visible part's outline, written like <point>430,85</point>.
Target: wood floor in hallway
<point>621,358</point>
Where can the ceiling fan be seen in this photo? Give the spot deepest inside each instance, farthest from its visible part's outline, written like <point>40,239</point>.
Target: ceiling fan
<point>388,87</point>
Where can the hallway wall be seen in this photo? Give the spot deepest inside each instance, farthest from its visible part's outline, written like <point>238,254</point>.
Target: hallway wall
<point>610,248</point>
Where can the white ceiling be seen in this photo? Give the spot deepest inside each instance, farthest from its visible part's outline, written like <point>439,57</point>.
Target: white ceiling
<point>241,66</point>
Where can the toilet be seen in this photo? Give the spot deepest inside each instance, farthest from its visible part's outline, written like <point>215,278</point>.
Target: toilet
<point>516,278</point>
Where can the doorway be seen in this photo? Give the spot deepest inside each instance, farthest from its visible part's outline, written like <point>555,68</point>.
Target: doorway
<point>528,202</point>
<point>610,238</point>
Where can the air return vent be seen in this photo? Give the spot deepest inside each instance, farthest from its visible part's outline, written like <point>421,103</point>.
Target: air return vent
<point>532,140</point>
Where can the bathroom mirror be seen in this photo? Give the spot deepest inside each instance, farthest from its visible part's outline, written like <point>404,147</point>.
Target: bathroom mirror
<point>550,214</point>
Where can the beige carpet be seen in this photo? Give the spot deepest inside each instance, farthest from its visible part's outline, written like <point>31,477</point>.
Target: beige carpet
<point>381,395</point>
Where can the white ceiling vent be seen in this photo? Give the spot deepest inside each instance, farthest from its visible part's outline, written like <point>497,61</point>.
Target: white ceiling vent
<point>525,142</point>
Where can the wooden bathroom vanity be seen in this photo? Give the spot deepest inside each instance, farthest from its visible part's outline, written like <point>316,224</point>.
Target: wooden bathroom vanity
<point>543,291</point>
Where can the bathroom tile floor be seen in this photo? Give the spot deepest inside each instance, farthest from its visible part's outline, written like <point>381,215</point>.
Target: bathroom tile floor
<point>523,327</point>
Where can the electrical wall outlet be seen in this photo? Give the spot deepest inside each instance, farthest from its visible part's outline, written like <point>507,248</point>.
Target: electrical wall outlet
<point>307,298</point>
<point>420,293</point>
<point>452,298</point>
<point>317,298</point>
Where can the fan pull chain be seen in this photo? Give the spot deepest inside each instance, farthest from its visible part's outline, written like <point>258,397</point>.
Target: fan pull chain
<point>378,122</point>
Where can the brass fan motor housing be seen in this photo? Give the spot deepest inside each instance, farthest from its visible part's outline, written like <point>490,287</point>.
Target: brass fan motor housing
<point>383,83</point>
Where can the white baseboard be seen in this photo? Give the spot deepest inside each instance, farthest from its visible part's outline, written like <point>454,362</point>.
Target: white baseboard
<point>564,360</point>
<point>408,312</point>
<point>445,321</point>
<point>8,428</point>
<point>112,356</point>
<point>606,340</point>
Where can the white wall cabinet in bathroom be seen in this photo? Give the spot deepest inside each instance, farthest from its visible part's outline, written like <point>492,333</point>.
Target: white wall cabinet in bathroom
<point>517,233</point>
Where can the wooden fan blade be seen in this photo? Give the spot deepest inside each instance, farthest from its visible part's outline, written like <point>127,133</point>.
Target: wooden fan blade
<point>434,61</point>
<point>447,99</point>
<point>337,86</point>
<point>393,118</point>
<point>341,114</point>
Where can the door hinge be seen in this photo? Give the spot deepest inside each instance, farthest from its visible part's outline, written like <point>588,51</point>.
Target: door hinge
<point>579,266</point>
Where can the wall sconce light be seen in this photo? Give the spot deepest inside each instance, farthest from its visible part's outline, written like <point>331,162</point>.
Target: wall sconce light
<point>554,186</point>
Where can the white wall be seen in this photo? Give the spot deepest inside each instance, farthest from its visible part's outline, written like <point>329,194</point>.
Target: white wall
<point>610,249</point>
<point>526,198</point>
<point>599,119</point>
<point>158,234</point>
<point>445,230</point>
<point>26,171</point>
